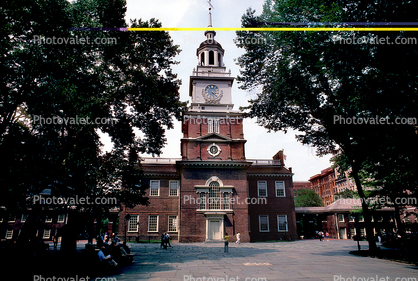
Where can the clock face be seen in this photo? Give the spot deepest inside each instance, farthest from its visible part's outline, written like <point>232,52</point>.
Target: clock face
<point>211,92</point>
<point>213,150</point>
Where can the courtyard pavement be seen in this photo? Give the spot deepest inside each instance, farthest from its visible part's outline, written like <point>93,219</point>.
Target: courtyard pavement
<point>299,260</point>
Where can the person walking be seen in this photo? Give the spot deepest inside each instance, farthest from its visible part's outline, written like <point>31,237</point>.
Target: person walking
<point>168,239</point>
<point>238,238</point>
<point>226,243</point>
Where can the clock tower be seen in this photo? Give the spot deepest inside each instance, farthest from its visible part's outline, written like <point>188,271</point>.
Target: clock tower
<point>212,129</point>
<point>213,168</point>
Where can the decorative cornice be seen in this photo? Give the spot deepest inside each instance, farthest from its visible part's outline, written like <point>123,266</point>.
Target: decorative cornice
<point>223,164</point>
<point>159,175</point>
<point>271,175</point>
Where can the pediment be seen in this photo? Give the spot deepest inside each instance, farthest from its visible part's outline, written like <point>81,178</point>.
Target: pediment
<point>213,137</point>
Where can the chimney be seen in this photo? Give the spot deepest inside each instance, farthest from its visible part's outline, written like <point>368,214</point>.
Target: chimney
<point>279,157</point>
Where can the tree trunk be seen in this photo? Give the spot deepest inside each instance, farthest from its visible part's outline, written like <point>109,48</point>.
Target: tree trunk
<point>69,235</point>
<point>398,220</point>
<point>365,207</point>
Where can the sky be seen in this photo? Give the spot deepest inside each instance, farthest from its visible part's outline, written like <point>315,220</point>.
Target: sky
<point>226,13</point>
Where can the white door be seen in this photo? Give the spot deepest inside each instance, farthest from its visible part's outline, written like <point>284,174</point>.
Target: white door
<point>214,230</point>
<point>343,233</point>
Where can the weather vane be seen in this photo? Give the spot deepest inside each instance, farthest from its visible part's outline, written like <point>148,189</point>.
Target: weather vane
<point>210,14</point>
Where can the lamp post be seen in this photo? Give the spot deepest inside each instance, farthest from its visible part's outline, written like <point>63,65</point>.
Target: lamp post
<point>127,218</point>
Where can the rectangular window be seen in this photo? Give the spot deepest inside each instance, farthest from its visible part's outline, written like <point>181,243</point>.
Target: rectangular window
<point>48,219</point>
<point>341,217</point>
<point>361,218</point>
<point>352,231</point>
<point>12,218</point>
<point>172,223</point>
<point>213,125</point>
<point>9,234</point>
<point>216,126</point>
<point>263,221</point>
<point>280,191</point>
<point>282,222</point>
<point>202,201</point>
<point>153,223</point>
<point>133,223</point>
<point>226,201</point>
<point>24,217</point>
<point>362,232</point>
<point>262,188</point>
<point>173,188</point>
<point>61,218</point>
<point>351,218</point>
<point>47,233</point>
<point>154,188</point>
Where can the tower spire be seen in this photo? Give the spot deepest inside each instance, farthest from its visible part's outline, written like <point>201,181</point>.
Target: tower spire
<point>210,13</point>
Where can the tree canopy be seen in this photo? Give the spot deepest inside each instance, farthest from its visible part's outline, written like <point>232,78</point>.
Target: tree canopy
<point>122,82</point>
<point>326,88</point>
<point>307,198</point>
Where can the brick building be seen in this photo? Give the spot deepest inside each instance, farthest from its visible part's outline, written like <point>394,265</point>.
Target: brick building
<point>324,185</point>
<point>298,185</point>
<point>213,189</point>
<point>342,220</point>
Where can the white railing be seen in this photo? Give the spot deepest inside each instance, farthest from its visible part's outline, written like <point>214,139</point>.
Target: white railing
<point>156,160</point>
<point>264,162</point>
<point>150,160</point>
<point>212,73</point>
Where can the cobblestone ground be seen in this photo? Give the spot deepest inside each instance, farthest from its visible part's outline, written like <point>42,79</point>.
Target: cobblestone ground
<point>300,260</point>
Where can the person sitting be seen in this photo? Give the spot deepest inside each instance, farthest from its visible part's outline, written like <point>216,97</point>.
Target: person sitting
<point>107,259</point>
<point>126,247</point>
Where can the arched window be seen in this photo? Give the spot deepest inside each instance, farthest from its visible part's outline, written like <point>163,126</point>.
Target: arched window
<point>202,58</point>
<point>211,58</point>
<point>214,196</point>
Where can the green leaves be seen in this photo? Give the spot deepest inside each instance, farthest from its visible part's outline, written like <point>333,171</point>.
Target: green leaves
<point>127,80</point>
<point>307,198</point>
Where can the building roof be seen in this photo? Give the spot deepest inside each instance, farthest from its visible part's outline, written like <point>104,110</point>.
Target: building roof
<point>341,205</point>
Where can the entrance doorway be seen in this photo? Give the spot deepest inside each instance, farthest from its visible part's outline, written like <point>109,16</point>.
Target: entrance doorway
<point>215,230</point>
<point>343,233</point>
<point>214,227</point>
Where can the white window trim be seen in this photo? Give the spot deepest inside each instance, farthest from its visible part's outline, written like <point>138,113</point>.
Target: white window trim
<point>339,216</point>
<point>9,234</point>
<point>258,188</point>
<point>23,218</point>
<point>355,231</point>
<point>177,224</point>
<point>63,220</point>
<point>13,219</point>
<point>158,218</point>
<point>284,188</point>
<point>45,232</point>
<point>259,223</point>
<point>351,218</point>
<point>213,125</point>
<point>48,219</point>
<point>278,225</point>
<point>129,223</point>
<point>169,188</point>
<point>150,183</point>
